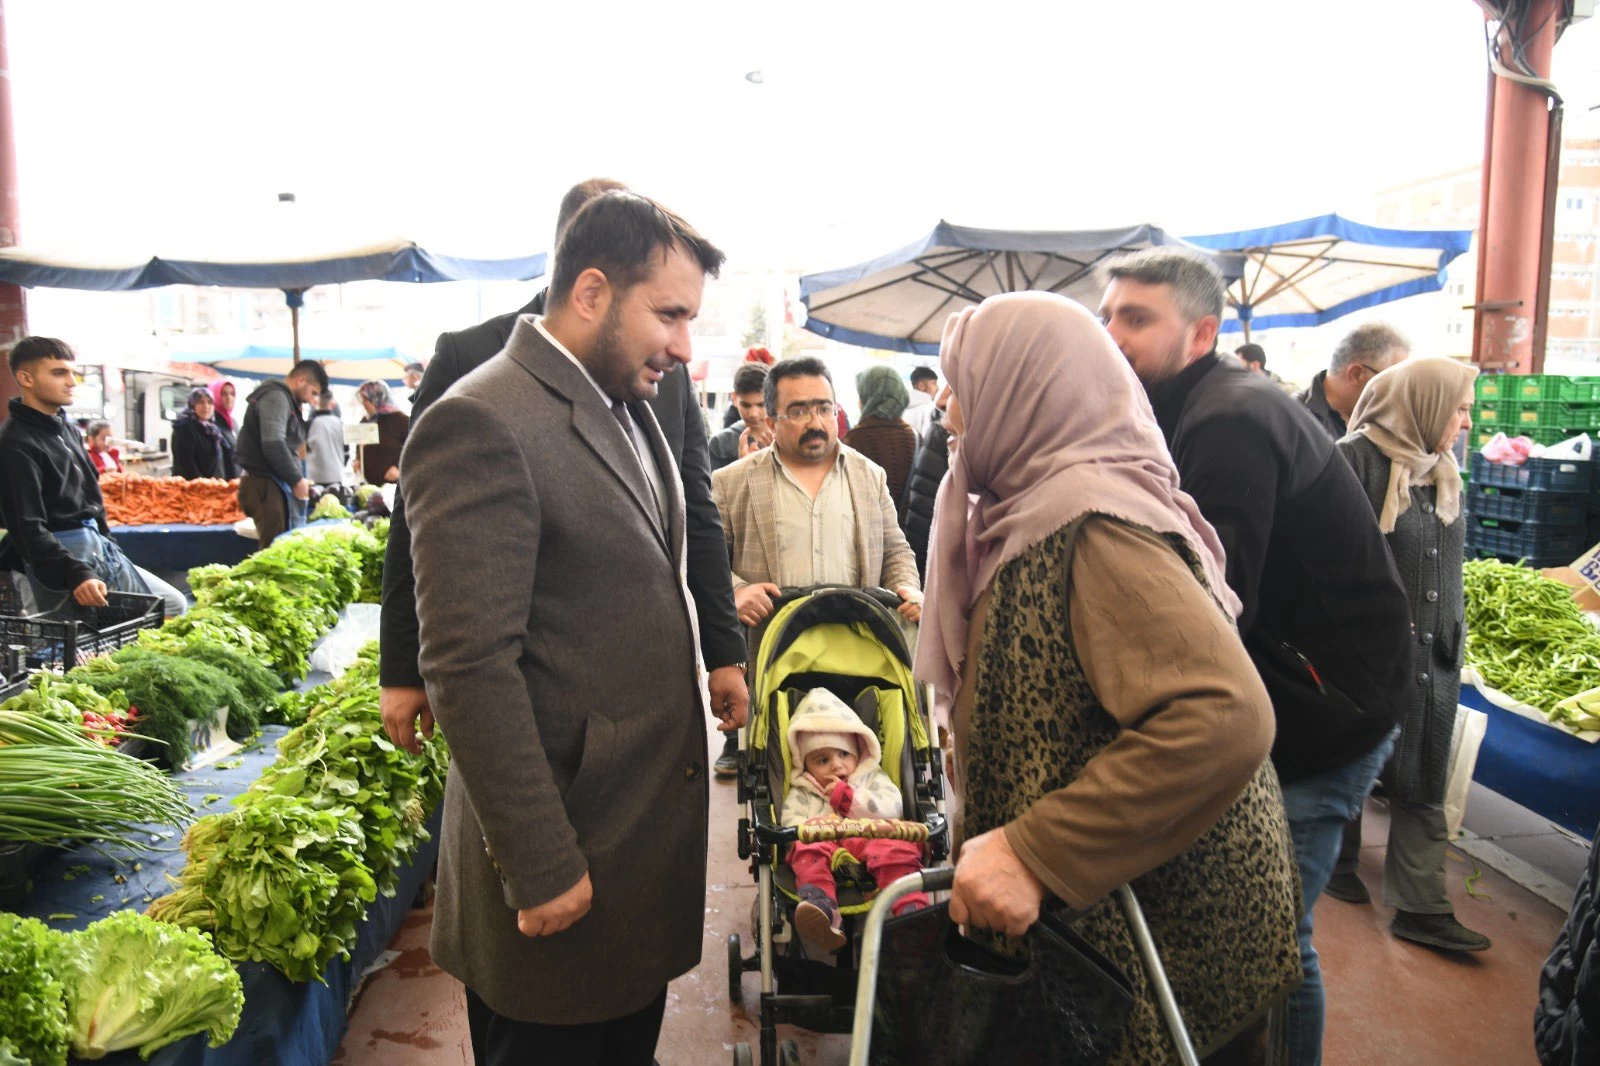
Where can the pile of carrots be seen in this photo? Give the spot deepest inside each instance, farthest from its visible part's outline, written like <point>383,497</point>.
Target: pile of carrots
<point>134,500</point>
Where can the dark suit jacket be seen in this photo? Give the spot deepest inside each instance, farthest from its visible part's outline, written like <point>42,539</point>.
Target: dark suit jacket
<point>577,729</point>
<point>455,355</point>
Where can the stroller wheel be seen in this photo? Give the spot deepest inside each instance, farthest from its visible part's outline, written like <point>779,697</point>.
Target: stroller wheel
<point>789,1053</point>
<point>735,970</point>
<point>743,1056</point>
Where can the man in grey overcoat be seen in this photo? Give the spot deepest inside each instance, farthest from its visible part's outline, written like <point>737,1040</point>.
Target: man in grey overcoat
<point>558,649</point>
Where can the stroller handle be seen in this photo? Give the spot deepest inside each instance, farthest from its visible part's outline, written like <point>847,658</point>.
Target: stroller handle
<point>883,596</point>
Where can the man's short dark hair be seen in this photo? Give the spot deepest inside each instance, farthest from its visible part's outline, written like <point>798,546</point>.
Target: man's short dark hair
<point>416,368</point>
<point>324,396</point>
<point>578,196</point>
<point>624,236</point>
<point>750,377</point>
<point>923,373</point>
<point>1196,282</point>
<point>31,350</point>
<point>1252,353</point>
<point>313,369</point>
<point>801,366</point>
<point>95,428</point>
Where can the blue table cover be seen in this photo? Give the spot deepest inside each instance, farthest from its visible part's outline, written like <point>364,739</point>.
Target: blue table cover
<point>283,1023</point>
<point>180,547</point>
<point>1550,772</point>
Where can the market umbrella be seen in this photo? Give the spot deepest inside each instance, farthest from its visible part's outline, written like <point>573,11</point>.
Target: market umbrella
<point>283,246</point>
<point>1312,271</point>
<point>900,301</point>
<point>345,366</point>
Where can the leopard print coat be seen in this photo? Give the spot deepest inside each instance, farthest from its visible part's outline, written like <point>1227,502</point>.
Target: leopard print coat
<point>1223,913</point>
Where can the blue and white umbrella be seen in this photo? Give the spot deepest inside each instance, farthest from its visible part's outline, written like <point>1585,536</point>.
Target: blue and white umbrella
<point>900,301</point>
<point>1313,271</point>
<point>283,246</point>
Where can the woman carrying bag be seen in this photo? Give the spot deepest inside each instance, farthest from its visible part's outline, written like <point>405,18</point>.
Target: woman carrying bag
<point>1108,724</point>
<point>1401,435</point>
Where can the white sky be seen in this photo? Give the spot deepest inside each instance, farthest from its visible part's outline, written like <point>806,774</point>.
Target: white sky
<point>462,123</point>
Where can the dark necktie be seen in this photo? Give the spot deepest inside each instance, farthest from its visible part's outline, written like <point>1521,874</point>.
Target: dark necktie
<point>625,420</point>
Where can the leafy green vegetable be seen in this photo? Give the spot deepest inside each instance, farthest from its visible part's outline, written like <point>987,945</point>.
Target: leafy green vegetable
<point>170,692</point>
<point>131,982</point>
<point>276,881</point>
<point>9,1055</point>
<point>1527,637</point>
<point>50,697</point>
<point>328,507</point>
<point>33,1020</point>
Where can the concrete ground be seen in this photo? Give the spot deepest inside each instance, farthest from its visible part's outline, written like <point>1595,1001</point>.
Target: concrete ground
<point>1388,1001</point>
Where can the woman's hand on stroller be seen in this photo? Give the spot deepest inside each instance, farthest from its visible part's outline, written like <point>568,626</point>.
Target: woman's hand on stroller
<point>993,889</point>
<point>564,911</point>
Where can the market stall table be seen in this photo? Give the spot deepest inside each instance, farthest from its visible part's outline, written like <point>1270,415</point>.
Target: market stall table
<point>283,1022</point>
<point>1548,771</point>
<point>180,547</point>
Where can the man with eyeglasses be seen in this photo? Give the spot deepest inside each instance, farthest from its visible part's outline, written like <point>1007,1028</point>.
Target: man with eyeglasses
<point>1362,355</point>
<point>810,510</point>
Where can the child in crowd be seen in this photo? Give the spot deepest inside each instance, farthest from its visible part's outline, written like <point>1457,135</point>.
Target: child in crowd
<point>836,775</point>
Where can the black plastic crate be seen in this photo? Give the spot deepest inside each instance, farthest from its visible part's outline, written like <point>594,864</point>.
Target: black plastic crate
<point>19,863</point>
<point>1527,505</point>
<point>69,634</point>
<point>1546,475</point>
<point>1541,544</point>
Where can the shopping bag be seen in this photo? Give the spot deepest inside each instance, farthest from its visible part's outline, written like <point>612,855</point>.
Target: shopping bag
<point>1465,740</point>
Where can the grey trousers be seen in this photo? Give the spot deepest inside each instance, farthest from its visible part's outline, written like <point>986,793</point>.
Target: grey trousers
<point>1413,869</point>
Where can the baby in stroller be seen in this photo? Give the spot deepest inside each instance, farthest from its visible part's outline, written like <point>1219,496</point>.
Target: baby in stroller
<point>837,776</point>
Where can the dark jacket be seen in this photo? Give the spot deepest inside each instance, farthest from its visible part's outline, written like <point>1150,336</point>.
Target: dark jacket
<point>272,434</point>
<point>1325,616</point>
<point>230,458</point>
<point>1316,401</point>
<point>195,451</point>
<point>722,641</point>
<point>892,444</point>
<point>932,462</point>
<point>376,459</point>
<point>47,485</point>
<point>1428,555</point>
<point>1566,1023</point>
<point>724,445</point>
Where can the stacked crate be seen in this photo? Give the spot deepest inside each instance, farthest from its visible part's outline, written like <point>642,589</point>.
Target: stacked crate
<point>1539,512</point>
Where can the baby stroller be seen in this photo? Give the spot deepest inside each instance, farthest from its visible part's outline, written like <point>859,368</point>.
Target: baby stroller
<point>851,642</point>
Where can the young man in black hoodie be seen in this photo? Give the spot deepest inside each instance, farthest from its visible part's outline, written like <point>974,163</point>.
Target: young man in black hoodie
<point>1325,617</point>
<point>271,445</point>
<point>50,497</point>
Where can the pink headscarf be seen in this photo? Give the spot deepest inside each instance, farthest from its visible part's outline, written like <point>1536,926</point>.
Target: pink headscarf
<point>216,388</point>
<point>1057,427</point>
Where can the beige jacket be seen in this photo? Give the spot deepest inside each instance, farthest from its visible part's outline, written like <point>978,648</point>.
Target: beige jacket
<point>744,494</point>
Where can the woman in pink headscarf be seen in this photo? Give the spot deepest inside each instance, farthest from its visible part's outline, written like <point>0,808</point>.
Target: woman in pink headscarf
<point>1109,726</point>
<point>222,397</point>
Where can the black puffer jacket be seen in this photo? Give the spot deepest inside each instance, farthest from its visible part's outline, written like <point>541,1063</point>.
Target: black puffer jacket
<point>927,470</point>
<point>1566,1023</point>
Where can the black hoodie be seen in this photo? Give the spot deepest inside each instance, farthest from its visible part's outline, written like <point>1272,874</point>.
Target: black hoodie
<point>47,485</point>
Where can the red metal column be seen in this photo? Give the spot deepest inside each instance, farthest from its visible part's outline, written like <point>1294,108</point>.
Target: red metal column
<point>13,308</point>
<point>1513,267</point>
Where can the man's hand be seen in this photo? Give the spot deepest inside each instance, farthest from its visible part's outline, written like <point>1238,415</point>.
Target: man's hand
<point>754,602</point>
<point>392,474</point>
<point>401,706</point>
<point>730,699</point>
<point>91,593</point>
<point>750,442</point>
<point>910,603</point>
<point>302,489</point>
<point>993,889</point>
<point>564,911</point>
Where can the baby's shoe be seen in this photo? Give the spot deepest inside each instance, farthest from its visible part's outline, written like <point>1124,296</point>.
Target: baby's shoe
<point>817,919</point>
<point>910,904</point>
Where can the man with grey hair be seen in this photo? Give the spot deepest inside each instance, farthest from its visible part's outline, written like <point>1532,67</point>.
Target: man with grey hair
<point>1325,617</point>
<point>1362,355</point>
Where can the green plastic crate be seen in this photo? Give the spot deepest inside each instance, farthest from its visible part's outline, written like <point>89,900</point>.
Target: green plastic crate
<point>1548,413</point>
<point>1537,388</point>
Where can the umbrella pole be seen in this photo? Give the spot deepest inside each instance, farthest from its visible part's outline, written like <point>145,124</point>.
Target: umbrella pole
<point>294,298</point>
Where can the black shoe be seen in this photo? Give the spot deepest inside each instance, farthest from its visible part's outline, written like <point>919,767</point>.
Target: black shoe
<point>1347,887</point>
<point>727,764</point>
<point>1440,931</point>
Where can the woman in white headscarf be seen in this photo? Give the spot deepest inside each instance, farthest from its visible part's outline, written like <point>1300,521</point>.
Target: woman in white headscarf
<point>1401,435</point>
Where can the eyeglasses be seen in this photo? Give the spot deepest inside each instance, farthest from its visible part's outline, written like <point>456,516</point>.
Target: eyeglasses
<point>805,412</point>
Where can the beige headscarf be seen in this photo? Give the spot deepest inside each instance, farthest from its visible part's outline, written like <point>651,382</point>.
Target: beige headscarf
<point>1406,411</point>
